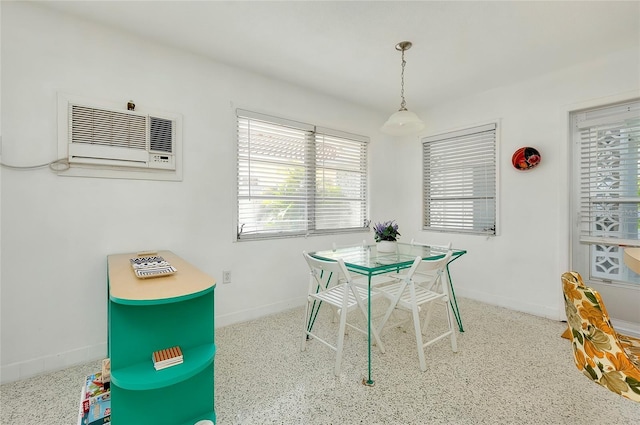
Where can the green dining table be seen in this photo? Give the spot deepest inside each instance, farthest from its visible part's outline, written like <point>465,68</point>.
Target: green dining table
<point>368,261</point>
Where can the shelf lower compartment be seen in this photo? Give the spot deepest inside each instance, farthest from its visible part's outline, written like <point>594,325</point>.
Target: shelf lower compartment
<point>143,376</point>
<point>184,403</point>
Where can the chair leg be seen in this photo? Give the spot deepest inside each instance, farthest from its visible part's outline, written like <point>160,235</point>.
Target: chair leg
<point>418,331</point>
<point>376,334</point>
<point>340,344</point>
<point>392,306</point>
<point>427,317</point>
<point>419,343</point>
<point>385,318</point>
<point>305,335</point>
<point>450,321</point>
<point>377,339</point>
<point>452,326</point>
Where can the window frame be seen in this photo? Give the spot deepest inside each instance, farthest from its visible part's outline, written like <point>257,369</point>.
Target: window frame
<point>487,133</point>
<point>317,142</point>
<point>593,249</point>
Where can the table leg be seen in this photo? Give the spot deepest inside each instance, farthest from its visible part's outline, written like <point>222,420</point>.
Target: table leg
<point>369,382</point>
<point>453,301</point>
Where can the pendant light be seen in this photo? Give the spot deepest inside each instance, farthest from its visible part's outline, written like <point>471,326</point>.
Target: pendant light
<point>403,122</point>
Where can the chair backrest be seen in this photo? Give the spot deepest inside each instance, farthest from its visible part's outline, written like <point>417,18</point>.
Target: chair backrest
<point>597,350</point>
<point>430,269</point>
<point>584,307</point>
<point>438,264</point>
<point>325,272</point>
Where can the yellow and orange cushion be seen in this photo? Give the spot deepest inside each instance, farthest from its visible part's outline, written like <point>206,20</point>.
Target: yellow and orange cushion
<point>608,358</point>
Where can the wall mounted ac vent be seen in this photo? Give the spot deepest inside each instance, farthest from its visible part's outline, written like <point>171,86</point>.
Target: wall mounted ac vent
<point>100,136</point>
<point>105,137</point>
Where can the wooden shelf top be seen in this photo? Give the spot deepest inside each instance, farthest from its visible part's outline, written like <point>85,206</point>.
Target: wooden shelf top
<point>125,287</point>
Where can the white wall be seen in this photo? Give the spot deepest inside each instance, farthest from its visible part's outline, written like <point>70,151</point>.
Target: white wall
<point>57,231</point>
<point>0,199</point>
<point>521,268</point>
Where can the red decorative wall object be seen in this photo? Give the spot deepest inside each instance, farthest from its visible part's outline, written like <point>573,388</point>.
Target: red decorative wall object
<point>525,158</point>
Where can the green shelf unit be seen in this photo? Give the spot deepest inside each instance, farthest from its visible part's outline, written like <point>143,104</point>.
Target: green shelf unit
<point>157,326</point>
<point>182,403</point>
<point>146,315</point>
<point>143,376</point>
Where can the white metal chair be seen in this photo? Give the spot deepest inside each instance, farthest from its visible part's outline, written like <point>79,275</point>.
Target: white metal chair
<point>331,283</point>
<point>421,288</point>
<point>424,275</point>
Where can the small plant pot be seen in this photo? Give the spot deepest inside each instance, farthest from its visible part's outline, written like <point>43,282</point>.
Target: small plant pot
<point>387,246</point>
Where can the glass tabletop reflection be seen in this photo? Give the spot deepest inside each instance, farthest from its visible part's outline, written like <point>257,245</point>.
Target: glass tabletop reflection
<point>368,260</point>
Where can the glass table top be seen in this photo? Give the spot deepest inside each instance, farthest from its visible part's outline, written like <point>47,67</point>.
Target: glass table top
<point>367,259</point>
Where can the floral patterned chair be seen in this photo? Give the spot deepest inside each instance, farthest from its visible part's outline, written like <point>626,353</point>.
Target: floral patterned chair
<point>603,355</point>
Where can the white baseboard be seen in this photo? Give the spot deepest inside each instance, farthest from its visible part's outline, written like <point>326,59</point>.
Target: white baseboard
<point>255,313</point>
<point>33,367</point>
<point>626,328</point>
<point>512,304</point>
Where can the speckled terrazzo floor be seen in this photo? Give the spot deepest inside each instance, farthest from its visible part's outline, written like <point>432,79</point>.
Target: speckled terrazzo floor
<point>511,368</point>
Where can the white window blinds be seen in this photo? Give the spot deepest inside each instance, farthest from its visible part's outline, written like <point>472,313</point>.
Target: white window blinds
<point>340,200</point>
<point>459,181</point>
<point>296,179</point>
<point>608,139</point>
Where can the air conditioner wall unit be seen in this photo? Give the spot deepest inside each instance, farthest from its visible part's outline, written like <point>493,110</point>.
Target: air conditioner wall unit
<point>102,137</point>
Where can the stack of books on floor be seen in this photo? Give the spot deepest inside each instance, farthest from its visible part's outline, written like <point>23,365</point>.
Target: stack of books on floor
<point>95,403</point>
<point>167,357</point>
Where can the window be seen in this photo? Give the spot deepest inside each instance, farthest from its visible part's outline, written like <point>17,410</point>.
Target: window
<point>297,179</point>
<point>459,181</point>
<point>606,200</point>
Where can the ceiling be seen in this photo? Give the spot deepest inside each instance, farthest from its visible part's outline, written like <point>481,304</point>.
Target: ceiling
<point>346,48</point>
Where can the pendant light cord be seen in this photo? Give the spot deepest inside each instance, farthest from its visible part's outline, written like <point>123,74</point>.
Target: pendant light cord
<point>403,104</point>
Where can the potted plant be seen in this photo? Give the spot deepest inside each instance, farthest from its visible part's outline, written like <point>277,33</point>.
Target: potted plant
<point>386,235</point>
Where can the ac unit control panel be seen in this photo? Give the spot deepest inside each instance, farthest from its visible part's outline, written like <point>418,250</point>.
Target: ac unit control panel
<point>165,161</point>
